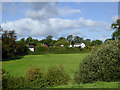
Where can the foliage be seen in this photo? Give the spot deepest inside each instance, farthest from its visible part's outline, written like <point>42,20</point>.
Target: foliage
<point>96,42</point>
<point>101,64</point>
<point>78,39</point>
<point>11,48</point>
<point>36,78</point>
<point>49,40</point>
<point>10,82</point>
<point>57,50</point>
<point>57,76</point>
<point>40,50</point>
<point>9,45</point>
<point>62,42</point>
<point>70,38</point>
<point>116,26</point>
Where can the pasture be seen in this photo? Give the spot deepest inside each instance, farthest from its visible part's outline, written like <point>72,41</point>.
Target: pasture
<point>19,67</point>
<point>70,63</point>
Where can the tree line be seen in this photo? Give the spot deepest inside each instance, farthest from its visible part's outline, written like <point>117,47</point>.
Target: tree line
<point>13,48</point>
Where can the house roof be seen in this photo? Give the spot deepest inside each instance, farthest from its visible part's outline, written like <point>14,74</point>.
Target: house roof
<point>44,45</point>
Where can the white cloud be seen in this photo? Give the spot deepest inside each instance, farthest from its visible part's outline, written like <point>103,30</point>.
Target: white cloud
<point>45,10</point>
<point>51,26</point>
<point>39,21</point>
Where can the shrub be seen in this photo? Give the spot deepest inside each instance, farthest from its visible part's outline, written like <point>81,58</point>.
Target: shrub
<point>36,78</point>
<point>102,64</point>
<point>41,50</point>
<point>57,76</point>
<point>57,50</point>
<point>10,82</point>
<point>73,50</point>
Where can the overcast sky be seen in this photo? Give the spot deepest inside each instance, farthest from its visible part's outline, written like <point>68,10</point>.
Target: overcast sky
<point>85,19</point>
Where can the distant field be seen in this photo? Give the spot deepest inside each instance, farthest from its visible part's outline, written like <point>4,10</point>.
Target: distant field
<point>20,66</point>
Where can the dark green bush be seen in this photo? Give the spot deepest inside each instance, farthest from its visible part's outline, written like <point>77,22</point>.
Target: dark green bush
<point>41,50</point>
<point>102,64</point>
<point>57,76</point>
<point>57,50</point>
<point>36,78</point>
<point>10,82</point>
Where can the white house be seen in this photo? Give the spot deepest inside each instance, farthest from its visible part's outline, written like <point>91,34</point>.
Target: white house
<point>79,44</point>
<point>70,45</point>
<point>62,45</point>
<point>31,47</point>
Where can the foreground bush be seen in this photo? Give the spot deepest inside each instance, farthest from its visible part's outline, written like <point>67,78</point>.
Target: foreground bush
<point>102,64</point>
<point>36,79</point>
<point>57,76</point>
<point>9,81</point>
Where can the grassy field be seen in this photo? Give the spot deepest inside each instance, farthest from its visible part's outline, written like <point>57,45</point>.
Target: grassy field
<point>92,85</point>
<point>70,62</point>
<point>19,67</point>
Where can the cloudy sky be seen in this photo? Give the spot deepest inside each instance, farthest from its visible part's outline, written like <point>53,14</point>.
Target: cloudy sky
<point>40,19</point>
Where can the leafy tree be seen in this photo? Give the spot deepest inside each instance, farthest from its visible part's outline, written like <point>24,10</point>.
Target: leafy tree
<point>70,38</point>
<point>96,42</point>
<point>116,27</point>
<point>62,42</point>
<point>78,39</point>
<point>34,42</point>
<point>49,40</point>
<point>107,40</point>
<point>61,38</point>
<point>29,40</point>
<point>87,42</point>
<point>52,43</point>
<point>9,45</point>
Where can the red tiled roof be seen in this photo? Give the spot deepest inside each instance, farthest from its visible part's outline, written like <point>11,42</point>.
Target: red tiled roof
<point>44,45</point>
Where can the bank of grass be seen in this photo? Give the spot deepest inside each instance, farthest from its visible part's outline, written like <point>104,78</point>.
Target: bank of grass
<point>19,67</point>
<point>92,85</point>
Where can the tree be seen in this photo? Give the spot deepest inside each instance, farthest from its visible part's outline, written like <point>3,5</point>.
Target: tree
<point>96,42</point>
<point>78,39</point>
<point>62,42</point>
<point>87,42</point>
<point>49,40</point>
<point>61,38</point>
<point>34,42</point>
<point>9,45</point>
<point>116,27</point>
<point>70,38</point>
<point>29,40</point>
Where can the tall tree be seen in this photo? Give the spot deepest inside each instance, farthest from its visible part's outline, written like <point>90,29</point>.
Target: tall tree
<point>49,40</point>
<point>87,42</point>
<point>29,40</point>
<point>78,39</point>
<point>70,38</point>
<point>61,38</point>
<point>116,27</point>
<point>9,46</point>
<point>96,42</point>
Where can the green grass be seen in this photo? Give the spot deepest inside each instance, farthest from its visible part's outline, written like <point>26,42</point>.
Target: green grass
<point>92,85</point>
<point>70,62</point>
<point>19,67</point>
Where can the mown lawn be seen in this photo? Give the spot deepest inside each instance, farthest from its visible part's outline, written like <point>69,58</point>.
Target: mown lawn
<point>19,67</point>
<point>70,62</point>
